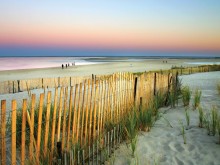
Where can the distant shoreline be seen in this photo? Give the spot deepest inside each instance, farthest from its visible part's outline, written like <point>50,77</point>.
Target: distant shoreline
<point>100,69</point>
<point>36,62</point>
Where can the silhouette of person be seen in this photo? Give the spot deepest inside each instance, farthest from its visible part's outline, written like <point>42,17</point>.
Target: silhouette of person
<point>62,66</point>
<point>66,65</point>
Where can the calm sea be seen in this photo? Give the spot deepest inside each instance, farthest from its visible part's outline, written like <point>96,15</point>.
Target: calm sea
<point>16,63</point>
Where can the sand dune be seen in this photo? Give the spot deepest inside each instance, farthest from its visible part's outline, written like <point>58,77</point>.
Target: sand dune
<point>164,145</point>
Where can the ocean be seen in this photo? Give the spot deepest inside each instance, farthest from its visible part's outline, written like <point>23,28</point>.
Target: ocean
<point>16,63</point>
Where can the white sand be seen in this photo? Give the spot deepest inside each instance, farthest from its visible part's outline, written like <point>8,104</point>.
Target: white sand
<point>164,145</point>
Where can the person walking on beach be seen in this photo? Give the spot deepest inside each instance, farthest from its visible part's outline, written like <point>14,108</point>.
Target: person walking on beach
<point>62,66</point>
<point>66,65</point>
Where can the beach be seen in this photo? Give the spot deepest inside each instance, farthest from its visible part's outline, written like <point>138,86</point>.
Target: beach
<point>114,66</point>
<point>164,144</point>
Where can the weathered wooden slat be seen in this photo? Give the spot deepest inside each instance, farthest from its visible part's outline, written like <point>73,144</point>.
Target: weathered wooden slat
<point>3,132</point>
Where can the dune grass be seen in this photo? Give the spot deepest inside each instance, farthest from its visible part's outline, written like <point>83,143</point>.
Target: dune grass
<point>131,129</point>
<point>207,123</point>
<point>182,131</point>
<point>214,120</point>
<point>186,95</point>
<point>197,98</point>
<point>201,117</point>
<point>211,121</point>
<point>146,119</point>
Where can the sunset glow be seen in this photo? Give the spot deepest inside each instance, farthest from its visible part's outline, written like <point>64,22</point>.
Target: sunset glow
<point>156,25</point>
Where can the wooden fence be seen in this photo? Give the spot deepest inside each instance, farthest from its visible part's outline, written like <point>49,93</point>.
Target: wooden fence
<point>25,85</point>
<point>77,116</point>
<point>14,86</point>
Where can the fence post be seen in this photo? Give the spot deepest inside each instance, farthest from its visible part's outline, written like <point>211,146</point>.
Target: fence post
<point>70,81</point>
<point>78,112</point>
<point>64,120</point>
<point>54,121</point>
<point>3,131</point>
<point>40,122</point>
<point>99,109</point>
<point>135,89</point>
<point>59,114</point>
<point>13,132</point>
<point>58,81</point>
<point>87,110</point>
<point>23,132</point>
<point>33,98</point>
<point>47,122</point>
<point>13,86</point>
<point>91,112</point>
<point>74,114</point>
<point>42,82</point>
<point>70,117</point>
<point>83,112</point>
<point>155,83</point>
<point>19,89</point>
<point>177,75</point>
<point>94,124</point>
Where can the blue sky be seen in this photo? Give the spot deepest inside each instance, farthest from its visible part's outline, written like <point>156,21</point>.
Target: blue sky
<point>189,25</point>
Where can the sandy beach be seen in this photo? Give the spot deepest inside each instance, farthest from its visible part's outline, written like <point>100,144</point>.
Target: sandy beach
<point>164,145</point>
<point>100,69</point>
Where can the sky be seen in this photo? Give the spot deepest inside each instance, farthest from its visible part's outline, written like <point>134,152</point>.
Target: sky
<point>150,25</point>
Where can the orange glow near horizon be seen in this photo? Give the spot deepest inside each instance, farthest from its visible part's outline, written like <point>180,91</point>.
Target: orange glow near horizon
<point>118,39</point>
<point>189,26</point>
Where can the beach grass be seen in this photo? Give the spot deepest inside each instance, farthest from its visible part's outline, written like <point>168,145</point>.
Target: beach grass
<point>214,120</point>
<point>207,123</point>
<point>131,129</point>
<point>187,117</point>
<point>201,117</point>
<point>197,98</point>
<point>186,95</point>
<point>182,130</point>
<point>146,119</point>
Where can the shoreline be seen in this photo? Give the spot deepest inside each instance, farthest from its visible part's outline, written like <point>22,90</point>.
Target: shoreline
<point>99,69</point>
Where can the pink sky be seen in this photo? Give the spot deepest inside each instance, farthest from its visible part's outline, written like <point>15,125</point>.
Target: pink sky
<point>190,26</point>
